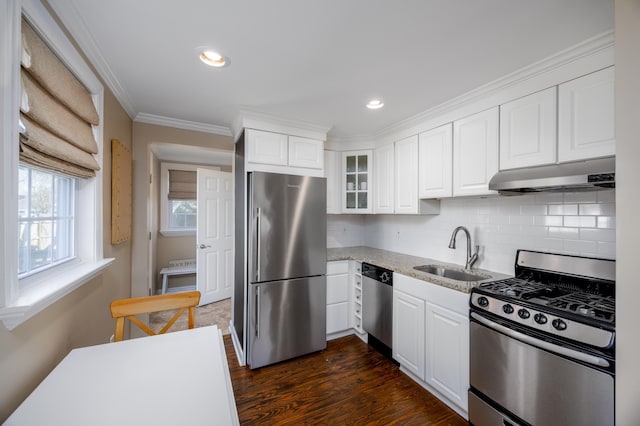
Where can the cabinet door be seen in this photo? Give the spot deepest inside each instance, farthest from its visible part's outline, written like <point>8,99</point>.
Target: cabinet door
<point>384,162</point>
<point>357,180</point>
<point>586,117</point>
<point>435,172</point>
<point>337,317</point>
<point>332,173</point>
<point>475,153</point>
<point>406,181</point>
<point>266,147</point>
<point>337,288</point>
<point>409,332</point>
<point>447,353</point>
<point>528,131</point>
<point>305,152</point>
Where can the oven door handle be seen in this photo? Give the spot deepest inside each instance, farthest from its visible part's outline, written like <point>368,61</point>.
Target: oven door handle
<point>571,353</point>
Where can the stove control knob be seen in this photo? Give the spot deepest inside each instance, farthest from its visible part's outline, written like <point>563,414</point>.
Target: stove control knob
<point>523,313</point>
<point>540,318</point>
<point>558,324</point>
<point>507,309</point>
<point>483,301</point>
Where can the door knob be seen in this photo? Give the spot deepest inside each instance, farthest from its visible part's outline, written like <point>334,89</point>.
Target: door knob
<point>204,246</point>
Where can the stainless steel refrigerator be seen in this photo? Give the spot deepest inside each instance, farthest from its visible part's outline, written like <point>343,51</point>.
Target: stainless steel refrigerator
<point>287,258</point>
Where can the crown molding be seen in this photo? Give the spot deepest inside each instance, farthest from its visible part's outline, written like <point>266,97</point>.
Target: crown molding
<point>181,124</point>
<point>253,119</point>
<point>589,47</point>
<point>82,36</point>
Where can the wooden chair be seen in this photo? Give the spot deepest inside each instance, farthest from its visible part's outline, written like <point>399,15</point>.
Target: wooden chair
<point>129,308</point>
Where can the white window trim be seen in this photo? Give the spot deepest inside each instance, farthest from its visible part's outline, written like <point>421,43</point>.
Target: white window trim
<point>165,231</point>
<point>19,303</point>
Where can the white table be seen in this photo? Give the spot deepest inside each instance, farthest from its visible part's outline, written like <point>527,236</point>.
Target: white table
<point>179,378</point>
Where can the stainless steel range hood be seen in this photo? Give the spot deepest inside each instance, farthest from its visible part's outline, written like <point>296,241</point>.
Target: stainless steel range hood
<point>581,175</point>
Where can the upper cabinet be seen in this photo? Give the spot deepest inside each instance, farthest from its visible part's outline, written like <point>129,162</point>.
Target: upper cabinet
<point>586,117</point>
<point>305,152</point>
<point>528,130</point>
<point>267,147</point>
<point>280,153</point>
<point>357,179</point>
<point>333,171</point>
<point>475,153</point>
<point>435,162</point>
<point>384,162</point>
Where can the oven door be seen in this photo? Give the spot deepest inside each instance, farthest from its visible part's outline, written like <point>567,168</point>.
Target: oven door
<point>537,381</point>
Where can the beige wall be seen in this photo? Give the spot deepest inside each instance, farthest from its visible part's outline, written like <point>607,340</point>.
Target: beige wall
<point>31,350</point>
<point>628,209</point>
<point>146,200</point>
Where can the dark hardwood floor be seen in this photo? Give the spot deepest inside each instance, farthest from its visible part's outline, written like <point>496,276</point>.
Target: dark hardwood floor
<point>347,384</point>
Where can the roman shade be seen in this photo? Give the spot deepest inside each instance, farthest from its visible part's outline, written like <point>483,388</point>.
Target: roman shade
<point>56,113</point>
<point>183,185</point>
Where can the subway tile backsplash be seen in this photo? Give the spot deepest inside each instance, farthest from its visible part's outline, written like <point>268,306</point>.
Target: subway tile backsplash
<point>581,223</point>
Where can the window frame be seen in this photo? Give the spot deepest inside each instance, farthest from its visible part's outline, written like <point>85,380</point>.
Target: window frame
<point>165,229</point>
<point>22,299</point>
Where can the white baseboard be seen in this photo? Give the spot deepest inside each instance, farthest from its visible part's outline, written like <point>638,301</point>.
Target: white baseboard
<point>236,345</point>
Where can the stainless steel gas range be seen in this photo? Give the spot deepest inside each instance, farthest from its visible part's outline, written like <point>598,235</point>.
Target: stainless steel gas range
<point>542,343</point>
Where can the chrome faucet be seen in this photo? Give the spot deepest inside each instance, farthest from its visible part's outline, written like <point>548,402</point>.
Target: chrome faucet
<point>471,259</point>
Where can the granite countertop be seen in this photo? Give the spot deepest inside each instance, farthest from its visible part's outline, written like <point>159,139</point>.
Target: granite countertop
<point>403,264</point>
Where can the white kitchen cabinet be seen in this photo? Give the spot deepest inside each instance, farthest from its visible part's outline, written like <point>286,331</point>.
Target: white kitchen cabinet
<point>305,152</point>
<point>267,147</point>
<point>332,172</point>
<point>406,176</point>
<point>355,274</point>
<point>338,308</point>
<point>384,167</point>
<point>438,358</point>
<point>528,130</point>
<point>357,180</point>
<point>409,332</point>
<point>280,153</point>
<point>475,153</point>
<point>586,127</point>
<point>447,352</point>
<point>435,162</point>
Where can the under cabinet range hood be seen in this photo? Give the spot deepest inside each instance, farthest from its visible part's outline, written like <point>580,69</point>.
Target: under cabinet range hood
<point>581,175</point>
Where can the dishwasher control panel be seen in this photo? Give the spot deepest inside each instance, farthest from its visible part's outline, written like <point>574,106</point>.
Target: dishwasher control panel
<point>377,273</point>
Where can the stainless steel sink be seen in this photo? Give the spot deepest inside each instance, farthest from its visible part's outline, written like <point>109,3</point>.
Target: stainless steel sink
<point>452,274</point>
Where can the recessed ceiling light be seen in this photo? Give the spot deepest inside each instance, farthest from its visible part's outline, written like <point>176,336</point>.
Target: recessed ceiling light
<point>212,58</point>
<point>375,104</point>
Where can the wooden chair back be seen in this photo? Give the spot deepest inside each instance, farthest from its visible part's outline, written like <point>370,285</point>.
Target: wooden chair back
<point>128,309</point>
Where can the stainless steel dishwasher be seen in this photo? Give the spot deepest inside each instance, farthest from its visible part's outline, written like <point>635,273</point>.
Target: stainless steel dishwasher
<point>377,306</point>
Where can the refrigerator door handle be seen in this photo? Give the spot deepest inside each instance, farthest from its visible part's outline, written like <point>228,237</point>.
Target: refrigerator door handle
<point>258,220</point>
<point>257,311</point>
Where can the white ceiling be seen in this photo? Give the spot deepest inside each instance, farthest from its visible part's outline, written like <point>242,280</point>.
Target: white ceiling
<point>317,61</point>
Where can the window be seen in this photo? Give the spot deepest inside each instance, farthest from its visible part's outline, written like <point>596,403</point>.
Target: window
<point>51,239</point>
<point>183,214</point>
<point>46,213</point>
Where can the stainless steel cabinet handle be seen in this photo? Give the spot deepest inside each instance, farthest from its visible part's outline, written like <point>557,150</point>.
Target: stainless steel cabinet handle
<point>258,311</point>
<point>541,343</point>
<point>258,220</point>
<point>204,246</point>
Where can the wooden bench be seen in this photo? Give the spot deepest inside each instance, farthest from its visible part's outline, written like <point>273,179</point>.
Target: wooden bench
<point>177,267</point>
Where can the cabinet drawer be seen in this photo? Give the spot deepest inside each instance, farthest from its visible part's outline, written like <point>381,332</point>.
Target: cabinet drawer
<point>338,267</point>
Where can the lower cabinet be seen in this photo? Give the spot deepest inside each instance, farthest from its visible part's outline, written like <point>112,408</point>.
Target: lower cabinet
<point>431,338</point>
<point>408,332</point>
<point>338,318</point>
<point>447,353</point>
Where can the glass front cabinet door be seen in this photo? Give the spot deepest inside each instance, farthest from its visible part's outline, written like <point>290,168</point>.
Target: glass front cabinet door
<point>357,181</point>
